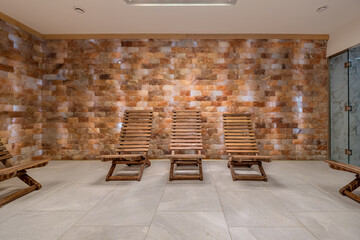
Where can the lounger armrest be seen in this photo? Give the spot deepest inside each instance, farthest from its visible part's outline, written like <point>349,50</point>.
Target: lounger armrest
<point>343,166</point>
<point>106,158</point>
<point>253,157</point>
<point>186,156</point>
<point>24,166</point>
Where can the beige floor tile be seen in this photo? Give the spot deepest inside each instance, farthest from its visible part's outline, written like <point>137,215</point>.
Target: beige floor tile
<point>188,226</point>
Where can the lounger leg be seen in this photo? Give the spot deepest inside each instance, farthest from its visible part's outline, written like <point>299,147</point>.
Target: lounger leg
<point>200,170</point>
<point>262,171</point>
<point>111,170</point>
<point>142,166</point>
<point>233,174</point>
<point>33,185</point>
<point>349,188</point>
<point>22,175</point>
<point>250,177</point>
<point>171,174</point>
<point>147,161</point>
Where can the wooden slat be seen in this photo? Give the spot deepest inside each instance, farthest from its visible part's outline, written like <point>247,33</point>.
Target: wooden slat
<point>242,151</point>
<point>132,150</point>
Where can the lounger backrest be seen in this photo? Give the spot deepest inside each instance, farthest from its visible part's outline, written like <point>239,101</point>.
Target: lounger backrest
<point>136,132</point>
<point>186,131</point>
<point>5,156</point>
<point>239,134</point>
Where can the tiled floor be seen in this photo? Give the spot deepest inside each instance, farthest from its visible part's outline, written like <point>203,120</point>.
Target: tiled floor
<point>299,202</point>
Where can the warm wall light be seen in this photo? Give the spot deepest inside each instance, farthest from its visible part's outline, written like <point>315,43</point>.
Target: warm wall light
<point>180,2</point>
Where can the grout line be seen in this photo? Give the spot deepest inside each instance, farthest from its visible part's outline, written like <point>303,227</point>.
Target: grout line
<point>86,212</point>
<point>292,213</point>
<point>156,211</point>
<point>222,208</point>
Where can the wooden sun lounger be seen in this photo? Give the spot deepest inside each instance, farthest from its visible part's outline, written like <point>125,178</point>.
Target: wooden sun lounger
<point>9,170</point>
<point>186,136</point>
<point>353,185</point>
<point>241,146</point>
<point>134,144</point>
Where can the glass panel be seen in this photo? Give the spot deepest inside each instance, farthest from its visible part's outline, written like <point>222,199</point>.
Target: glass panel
<point>338,100</point>
<point>354,95</point>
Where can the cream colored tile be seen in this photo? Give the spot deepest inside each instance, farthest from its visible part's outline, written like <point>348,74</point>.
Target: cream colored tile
<point>106,233</point>
<point>270,233</point>
<point>190,198</point>
<point>332,225</point>
<point>39,225</point>
<point>255,208</point>
<point>188,226</point>
<point>124,208</point>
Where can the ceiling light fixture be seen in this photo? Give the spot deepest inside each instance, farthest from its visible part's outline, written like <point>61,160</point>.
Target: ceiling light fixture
<point>173,3</point>
<point>322,8</point>
<point>79,10</point>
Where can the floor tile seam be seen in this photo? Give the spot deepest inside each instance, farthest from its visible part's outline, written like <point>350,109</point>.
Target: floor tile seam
<point>110,226</point>
<point>157,208</point>
<point>48,210</point>
<point>245,190</point>
<point>274,226</point>
<point>68,229</point>
<point>221,205</point>
<point>293,214</point>
<point>187,211</point>
<point>28,207</point>
<point>324,191</point>
<point>196,187</point>
<point>300,227</point>
<point>337,211</point>
<point>86,212</point>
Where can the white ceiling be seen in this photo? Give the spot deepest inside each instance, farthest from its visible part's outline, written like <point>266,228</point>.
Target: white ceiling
<point>247,16</point>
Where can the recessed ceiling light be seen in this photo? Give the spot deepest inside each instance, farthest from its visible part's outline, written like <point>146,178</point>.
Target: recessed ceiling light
<point>79,10</point>
<point>180,2</point>
<point>322,8</point>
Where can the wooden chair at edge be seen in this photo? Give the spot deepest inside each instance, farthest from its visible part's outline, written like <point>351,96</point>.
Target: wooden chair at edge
<point>349,188</point>
<point>10,170</point>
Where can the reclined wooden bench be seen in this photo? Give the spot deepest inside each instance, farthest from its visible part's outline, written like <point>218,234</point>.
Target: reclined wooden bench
<point>134,144</point>
<point>241,146</point>
<point>186,136</point>
<point>9,170</point>
<point>353,185</point>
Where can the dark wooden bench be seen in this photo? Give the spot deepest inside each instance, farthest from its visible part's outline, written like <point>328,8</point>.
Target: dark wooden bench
<point>348,189</point>
<point>186,137</point>
<point>133,144</point>
<point>241,146</point>
<point>9,170</point>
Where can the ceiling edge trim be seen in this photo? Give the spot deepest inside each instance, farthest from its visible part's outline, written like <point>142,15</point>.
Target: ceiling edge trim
<point>20,25</point>
<point>186,36</point>
<point>32,31</point>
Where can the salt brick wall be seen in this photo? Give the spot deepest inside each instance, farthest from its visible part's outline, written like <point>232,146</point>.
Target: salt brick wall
<point>20,93</point>
<point>87,85</point>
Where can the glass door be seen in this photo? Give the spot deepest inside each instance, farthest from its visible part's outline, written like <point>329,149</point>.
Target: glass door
<point>354,102</point>
<point>339,98</point>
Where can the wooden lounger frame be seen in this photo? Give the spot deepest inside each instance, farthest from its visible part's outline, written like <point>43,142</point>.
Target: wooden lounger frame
<point>241,146</point>
<point>186,136</point>
<point>10,170</point>
<point>354,184</point>
<point>134,144</point>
